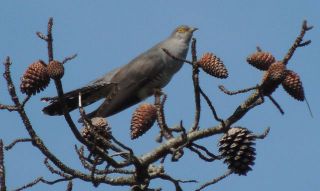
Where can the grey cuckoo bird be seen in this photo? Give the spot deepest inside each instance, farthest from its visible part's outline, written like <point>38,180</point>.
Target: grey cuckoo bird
<point>135,81</point>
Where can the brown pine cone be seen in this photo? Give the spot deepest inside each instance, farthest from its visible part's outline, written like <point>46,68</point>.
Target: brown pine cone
<point>236,146</point>
<point>55,70</point>
<point>212,65</point>
<point>261,60</point>
<point>273,78</point>
<point>142,119</point>
<point>35,78</point>
<point>293,85</point>
<point>99,127</point>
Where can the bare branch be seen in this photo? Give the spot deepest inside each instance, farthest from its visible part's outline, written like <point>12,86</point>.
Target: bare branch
<point>38,180</point>
<point>211,107</point>
<point>42,36</point>
<point>196,86</point>
<point>2,169</point>
<point>165,131</point>
<point>203,157</point>
<point>174,181</point>
<point>67,59</point>
<point>298,42</point>
<point>8,107</point>
<point>50,39</point>
<point>54,171</point>
<point>215,180</point>
<point>69,186</point>
<point>175,57</point>
<point>264,134</point>
<point>226,91</point>
<point>259,49</point>
<point>276,104</point>
<point>196,148</point>
<point>21,140</point>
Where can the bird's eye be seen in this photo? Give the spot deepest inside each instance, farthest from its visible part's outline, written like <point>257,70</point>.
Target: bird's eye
<point>182,30</point>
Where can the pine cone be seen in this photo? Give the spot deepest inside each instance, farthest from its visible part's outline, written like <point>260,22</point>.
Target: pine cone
<point>293,85</point>
<point>212,65</point>
<point>273,78</point>
<point>142,119</point>
<point>236,146</point>
<point>55,70</point>
<point>261,60</point>
<point>99,127</point>
<point>35,78</point>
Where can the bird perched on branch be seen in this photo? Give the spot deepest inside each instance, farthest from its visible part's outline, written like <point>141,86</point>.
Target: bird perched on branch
<point>134,81</point>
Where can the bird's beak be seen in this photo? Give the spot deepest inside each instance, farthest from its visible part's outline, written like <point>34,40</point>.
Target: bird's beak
<point>193,29</point>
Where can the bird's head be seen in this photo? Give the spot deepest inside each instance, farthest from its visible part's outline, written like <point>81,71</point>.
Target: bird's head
<point>183,32</point>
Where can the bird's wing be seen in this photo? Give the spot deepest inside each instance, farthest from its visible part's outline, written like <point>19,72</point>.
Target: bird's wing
<point>130,79</point>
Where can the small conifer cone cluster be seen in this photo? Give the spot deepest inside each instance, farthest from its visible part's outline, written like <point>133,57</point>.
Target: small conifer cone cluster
<point>35,78</point>
<point>142,119</point>
<point>273,78</point>
<point>99,127</point>
<point>212,65</point>
<point>261,60</point>
<point>236,146</point>
<point>55,70</point>
<point>293,85</point>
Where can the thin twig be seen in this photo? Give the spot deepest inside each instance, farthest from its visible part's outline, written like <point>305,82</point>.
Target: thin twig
<point>226,91</point>
<point>175,57</point>
<point>38,180</point>
<point>67,59</point>
<point>276,104</point>
<point>309,108</point>
<point>2,169</point>
<point>165,131</point>
<point>93,170</point>
<point>54,171</point>
<point>196,86</point>
<point>211,107</point>
<point>42,36</point>
<point>69,186</point>
<point>89,167</point>
<point>298,42</point>
<point>203,157</point>
<point>20,140</point>
<point>259,49</point>
<point>215,180</point>
<point>174,181</point>
<point>264,134</point>
<point>50,39</point>
<point>25,100</point>
<point>210,154</point>
<point>8,107</point>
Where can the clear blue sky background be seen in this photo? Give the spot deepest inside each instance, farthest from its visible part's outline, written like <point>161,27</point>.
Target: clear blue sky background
<point>107,34</point>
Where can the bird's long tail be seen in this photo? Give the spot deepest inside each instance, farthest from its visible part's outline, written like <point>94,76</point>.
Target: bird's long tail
<point>89,95</point>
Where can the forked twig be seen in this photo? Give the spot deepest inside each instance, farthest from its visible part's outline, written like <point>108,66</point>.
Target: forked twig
<point>298,42</point>
<point>38,180</point>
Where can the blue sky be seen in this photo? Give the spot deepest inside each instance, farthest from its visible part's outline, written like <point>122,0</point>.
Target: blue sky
<point>107,34</point>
